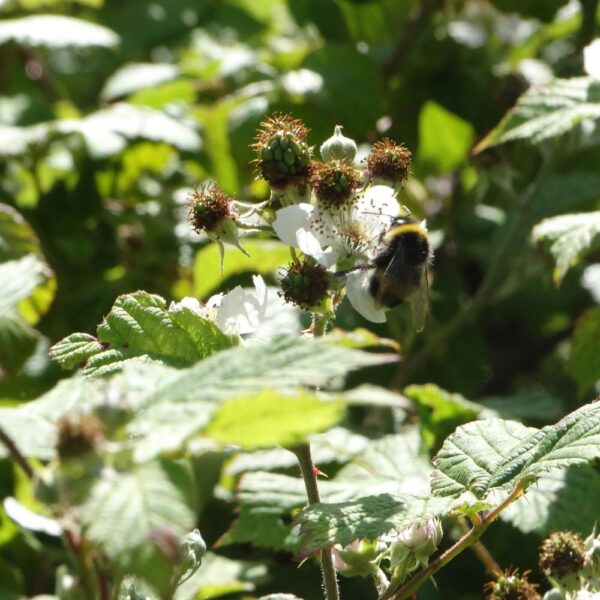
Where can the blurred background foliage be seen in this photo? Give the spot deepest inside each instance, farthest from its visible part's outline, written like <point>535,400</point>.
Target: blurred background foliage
<point>112,111</point>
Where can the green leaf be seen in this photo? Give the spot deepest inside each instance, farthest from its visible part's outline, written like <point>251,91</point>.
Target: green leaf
<point>219,576</point>
<point>535,404</point>
<point>135,517</point>
<point>140,325</point>
<point>270,418</point>
<point>265,258</point>
<point>56,31</point>
<point>444,138</point>
<point>485,455</point>
<point>106,131</point>
<point>440,412</point>
<point>366,517</point>
<point>584,363</point>
<point>548,111</point>
<point>568,238</point>
<point>27,288</point>
<point>549,505</point>
<point>17,238</point>
<point>136,76</point>
<point>179,407</point>
<point>344,70</point>
<point>393,464</point>
<point>169,406</point>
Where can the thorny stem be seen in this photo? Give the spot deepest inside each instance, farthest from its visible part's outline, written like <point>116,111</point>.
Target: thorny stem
<point>482,296</point>
<point>16,454</point>
<point>469,539</point>
<point>482,553</point>
<point>309,474</point>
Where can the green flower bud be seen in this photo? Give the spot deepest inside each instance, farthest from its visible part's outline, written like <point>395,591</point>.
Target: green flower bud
<point>283,155</point>
<point>356,558</point>
<point>338,147</point>
<point>306,285</point>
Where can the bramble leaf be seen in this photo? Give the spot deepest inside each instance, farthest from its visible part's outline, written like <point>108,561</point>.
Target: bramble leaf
<point>269,418</point>
<point>568,238</point>
<point>584,363</point>
<point>489,455</point>
<point>41,30</point>
<point>547,111</point>
<point>140,325</point>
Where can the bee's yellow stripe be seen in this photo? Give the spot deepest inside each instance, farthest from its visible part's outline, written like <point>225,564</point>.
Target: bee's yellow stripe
<point>402,229</point>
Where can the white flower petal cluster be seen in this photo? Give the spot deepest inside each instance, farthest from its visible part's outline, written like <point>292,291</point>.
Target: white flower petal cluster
<point>238,312</point>
<point>344,237</point>
<point>591,59</point>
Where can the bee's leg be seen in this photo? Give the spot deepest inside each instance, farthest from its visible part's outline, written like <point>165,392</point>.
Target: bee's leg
<point>352,270</point>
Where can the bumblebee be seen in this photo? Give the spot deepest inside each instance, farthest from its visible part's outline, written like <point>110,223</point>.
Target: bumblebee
<point>400,268</point>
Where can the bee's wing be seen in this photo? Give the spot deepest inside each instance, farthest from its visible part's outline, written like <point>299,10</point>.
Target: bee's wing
<point>419,302</point>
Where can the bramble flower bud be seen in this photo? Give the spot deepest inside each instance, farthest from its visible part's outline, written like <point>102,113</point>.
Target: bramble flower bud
<point>305,285</point>
<point>78,434</point>
<point>356,558</point>
<point>422,538</point>
<point>512,586</point>
<point>334,183</point>
<point>562,558</point>
<point>283,154</point>
<point>338,147</point>
<point>389,162</point>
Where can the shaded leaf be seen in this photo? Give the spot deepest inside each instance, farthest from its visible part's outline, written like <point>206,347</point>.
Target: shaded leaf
<point>270,418</point>
<point>535,404</point>
<point>138,518</point>
<point>548,505</point>
<point>265,258</point>
<point>584,363</point>
<point>568,238</point>
<point>444,138</point>
<point>366,517</point>
<point>219,576</point>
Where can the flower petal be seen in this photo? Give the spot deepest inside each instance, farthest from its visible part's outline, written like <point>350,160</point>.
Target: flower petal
<point>357,285</point>
<point>377,207</point>
<point>239,312</point>
<point>291,219</point>
<point>591,59</point>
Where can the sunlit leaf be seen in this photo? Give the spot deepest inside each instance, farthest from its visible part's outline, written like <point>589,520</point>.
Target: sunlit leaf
<point>56,31</point>
<point>548,111</point>
<point>494,454</point>
<point>568,238</point>
<point>139,325</point>
<point>270,418</point>
<point>135,76</point>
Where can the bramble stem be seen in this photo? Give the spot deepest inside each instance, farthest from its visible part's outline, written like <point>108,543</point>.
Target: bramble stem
<point>309,474</point>
<point>470,538</point>
<point>15,453</point>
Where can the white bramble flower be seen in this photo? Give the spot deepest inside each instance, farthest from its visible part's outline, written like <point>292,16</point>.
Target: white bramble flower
<point>238,312</point>
<point>344,236</point>
<point>591,59</point>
